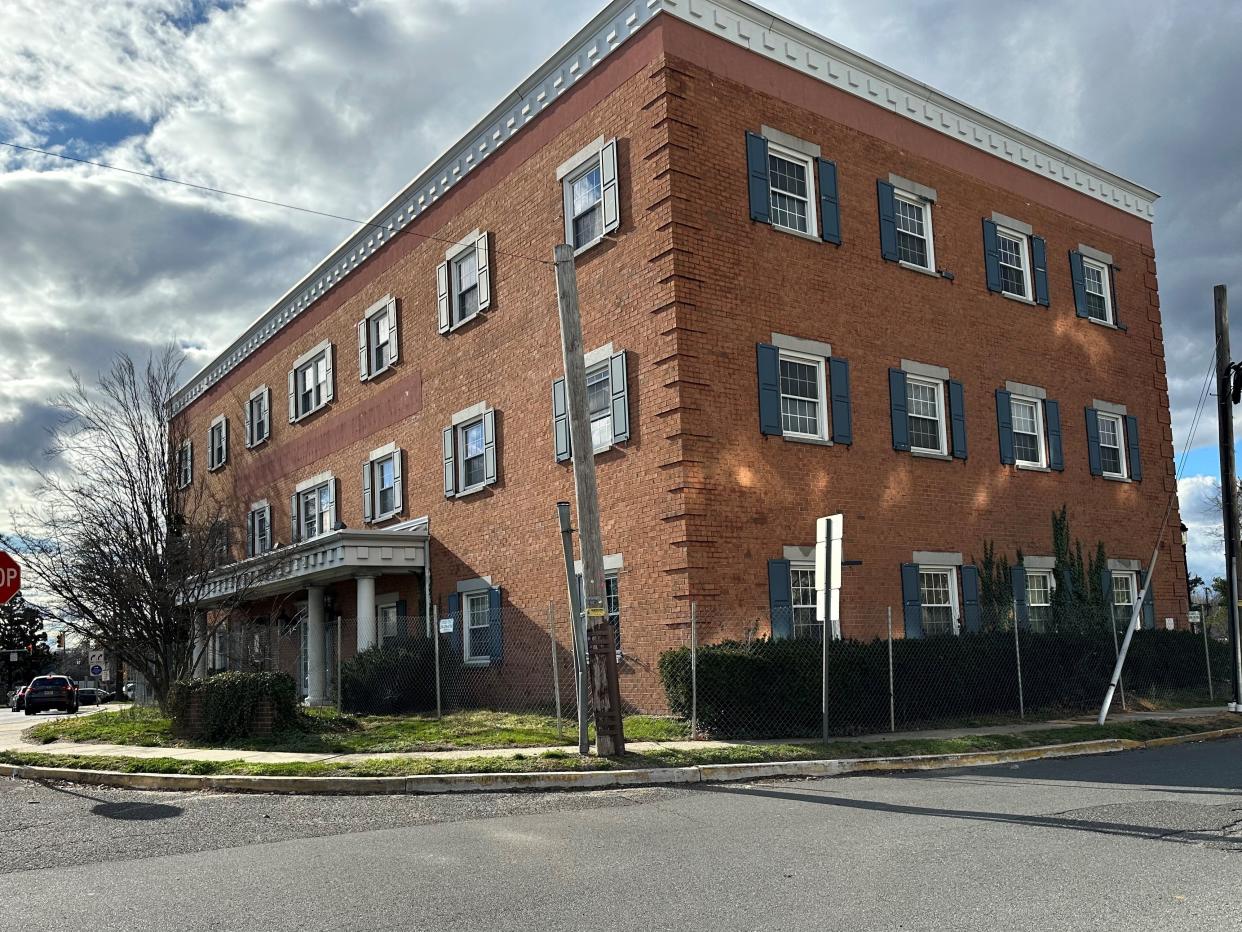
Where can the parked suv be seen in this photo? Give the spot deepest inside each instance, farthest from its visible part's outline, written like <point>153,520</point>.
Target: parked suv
<point>90,696</point>
<point>51,692</point>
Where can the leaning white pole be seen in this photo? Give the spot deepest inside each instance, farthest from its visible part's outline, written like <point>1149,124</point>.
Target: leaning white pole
<point>1125,645</point>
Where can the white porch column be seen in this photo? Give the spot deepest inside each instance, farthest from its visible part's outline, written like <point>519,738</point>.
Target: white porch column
<point>316,681</point>
<point>202,645</point>
<point>367,633</point>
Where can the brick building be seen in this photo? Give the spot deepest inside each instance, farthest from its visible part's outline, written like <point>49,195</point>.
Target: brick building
<point>809,285</point>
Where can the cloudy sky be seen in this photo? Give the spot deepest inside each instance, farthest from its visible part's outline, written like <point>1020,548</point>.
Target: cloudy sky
<point>336,104</point>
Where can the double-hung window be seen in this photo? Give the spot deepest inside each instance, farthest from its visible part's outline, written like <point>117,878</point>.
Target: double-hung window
<point>803,604</point>
<point>258,416</point>
<point>185,464</point>
<point>470,461</point>
<point>1029,447</point>
<point>589,188</point>
<point>925,415</point>
<point>938,595</point>
<point>1013,252</point>
<point>378,347</point>
<point>472,447</point>
<point>914,231</point>
<point>599,403</point>
<point>463,281</point>
<point>259,529</point>
<point>607,403</point>
<point>1112,445</point>
<point>476,624</point>
<point>803,392</point>
<point>218,443</point>
<point>391,625</point>
<point>1095,277</point>
<point>315,509</point>
<point>1124,593</point>
<point>381,484</point>
<point>791,180</point>
<point>310,382</point>
<point>1039,599</point>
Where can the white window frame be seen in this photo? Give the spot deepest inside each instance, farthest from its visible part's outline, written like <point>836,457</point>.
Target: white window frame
<point>1041,432</point>
<point>1051,588</point>
<point>310,361</point>
<point>374,462</point>
<point>821,372</point>
<point>604,366</point>
<point>812,200</point>
<point>217,443</point>
<point>602,153</point>
<point>803,566</point>
<point>385,311</point>
<point>185,464</point>
<point>469,655</point>
<point>259,508</point>
<point>303,494</point>
<point>941,414</point>
<point>925,206</point>
<point>1134,591</point>
<point>955,604</point>
<point>1101,417</point>
<point>1024,251</point>
<point>459,439</point>
<point>1105,283</point>
<point>264,399</point>
<point>384,604</point>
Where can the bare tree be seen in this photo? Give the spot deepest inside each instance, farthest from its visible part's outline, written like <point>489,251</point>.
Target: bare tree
<point>121,551</point>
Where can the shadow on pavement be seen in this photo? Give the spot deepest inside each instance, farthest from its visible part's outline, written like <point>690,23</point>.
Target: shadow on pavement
<point>127,812</point>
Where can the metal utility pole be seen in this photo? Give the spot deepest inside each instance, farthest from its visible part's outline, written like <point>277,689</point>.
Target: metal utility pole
<point>577,623</point>
<point>1229,487</point>
<point>601,648</point>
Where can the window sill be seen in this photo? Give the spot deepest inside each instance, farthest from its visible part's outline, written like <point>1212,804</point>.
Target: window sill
<point>813,441</point>
<point>1019,298</point>
<point>470,491</point>
<point>377,373</point>
<point>1031,467</point>
<point>258,443</point>
<point>1107,325</point>
<point>477,662</point>
<point>798,233</point>
<point>930,455</point>
<point>591,245</point>
<point>380,519</point>
<point>305,414</point>
<point>217,467</point>
<point>465,321</point>
<point>922,270</point>
<point>1125,479</point>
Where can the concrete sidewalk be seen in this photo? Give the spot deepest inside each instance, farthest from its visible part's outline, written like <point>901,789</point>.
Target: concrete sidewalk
<point>11,740</point>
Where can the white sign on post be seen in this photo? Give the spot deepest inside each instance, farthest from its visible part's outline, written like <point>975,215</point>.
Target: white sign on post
<point>96,659</point>
<point>829,534</point>
<point>446,625</point>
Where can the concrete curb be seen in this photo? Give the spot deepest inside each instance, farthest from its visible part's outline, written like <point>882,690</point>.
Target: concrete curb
<point>583,780</point>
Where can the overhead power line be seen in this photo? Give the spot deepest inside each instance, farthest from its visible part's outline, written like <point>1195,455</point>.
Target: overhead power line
<point>250,197</point>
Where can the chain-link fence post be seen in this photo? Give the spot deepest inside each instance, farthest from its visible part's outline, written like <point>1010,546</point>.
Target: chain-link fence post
<point>435,633</point>
<point>1207,656</point>
<point>339,625</point>
<point>694,671</point>
<point>556,673</point>
<point>1017,656</point>
<point>892,693</point>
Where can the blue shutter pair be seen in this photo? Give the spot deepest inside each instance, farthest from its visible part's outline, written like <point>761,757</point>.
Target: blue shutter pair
<point>618,383</point>
<point>899,414</point>
<point>1078,276</point>
<point>1052,429</point>
<point>1133,452</point>
<point>495,628</point>
<point>768,362</point>
<point>912,600</point>
<point>760,188</point>
<point>1039,262</point>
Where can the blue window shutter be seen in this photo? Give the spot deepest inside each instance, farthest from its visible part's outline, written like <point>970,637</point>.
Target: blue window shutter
<point>1004,425</point>
<point>454,613</point>
<point>450,463</point>
<point>769,362</point>
<point>1017,584</point>
<point>1106,591</point>
<point>911,600</point>
<point>888,220</point>
<point>780,599</point>
<point>991,255</point>
<point>972,617</point>
<point>560,421</point>
<point>1079,278</point>
<point>839,386</point>
<point>897,409</point>
<point>757,171</point>
<point>1039,269</point>
<point>829,205</point>
<point>495,639</point>
<point>1065,580</point>
<point>1052,419</point>
<point>295,524</point>
<point>403,609</point>
<point>618,381</point>
<point>1093,442</point>
<point>957,414</point>
<point>1132,448</point>
<point>489,447</point>
<point>1149,604</point>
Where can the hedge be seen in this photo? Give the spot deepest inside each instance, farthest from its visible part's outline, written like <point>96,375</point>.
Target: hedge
<point>230,703</point>
<point>766,688</point>
<point>391,680</point>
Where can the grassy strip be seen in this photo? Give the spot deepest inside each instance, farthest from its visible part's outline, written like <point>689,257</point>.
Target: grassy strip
<point>325,731</point>
<point>664,757</point>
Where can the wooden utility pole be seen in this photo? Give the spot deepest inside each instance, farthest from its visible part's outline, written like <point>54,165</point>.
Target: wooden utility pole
<point>1229,488</point>
<point>601,648</point>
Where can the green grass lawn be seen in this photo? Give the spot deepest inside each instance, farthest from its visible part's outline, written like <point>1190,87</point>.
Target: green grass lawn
<point>328,732</point>
<point>664,757</point>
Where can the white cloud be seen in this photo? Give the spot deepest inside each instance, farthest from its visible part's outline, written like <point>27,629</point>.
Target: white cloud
<point>1204,537</point>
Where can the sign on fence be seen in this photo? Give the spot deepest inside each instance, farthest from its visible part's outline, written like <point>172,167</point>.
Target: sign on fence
<point>446,625</point>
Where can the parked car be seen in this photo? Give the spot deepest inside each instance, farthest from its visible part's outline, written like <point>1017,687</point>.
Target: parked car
<point>89,695</point>
<point>17,699</point>
<point>51,692</point>
<point>129,691</point>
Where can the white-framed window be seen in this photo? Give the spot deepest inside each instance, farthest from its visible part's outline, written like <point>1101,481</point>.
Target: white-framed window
<point>599,403</point>
<point>391,626</point>
<point>803,395</point>
<point>1095,277</point>
<point>185,464</point>
<point>471,446</point>
<point>915,246</point>
<point>310,382</point>
<point>791,178</point>
<point>1112,445</point>
<point>465,286</point>
<point>589,189</point>
<point>1029,442</point>
<point>378,347</point>
<point>607,403</point>
<point>476,624</point>
<point>612,603</point>
<point>938,593</point>
<point>316,510</point>
<point>382,484</point>
<point>471,453</point>
<point>1014,254</point>
<point>258,529</point>
<point>925,413</point>
<point>218,443</point>
<point>463,282</point>
<point>803,604</point>
<point>1039,587</point>
<point>1125,591</point>
<point>258,416</point>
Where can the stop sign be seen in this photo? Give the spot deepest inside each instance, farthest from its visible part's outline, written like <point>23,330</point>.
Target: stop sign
<point>10,577</point>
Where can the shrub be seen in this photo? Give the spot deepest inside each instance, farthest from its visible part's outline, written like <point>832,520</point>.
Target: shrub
<point>390,680</point>
<point>768,688</point>
<point>227,706</point>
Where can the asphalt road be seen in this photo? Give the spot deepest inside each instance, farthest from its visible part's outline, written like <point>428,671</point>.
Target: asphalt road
<point>1145,840</point>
